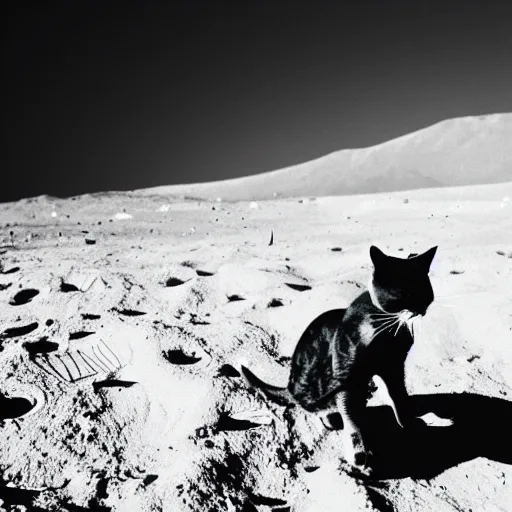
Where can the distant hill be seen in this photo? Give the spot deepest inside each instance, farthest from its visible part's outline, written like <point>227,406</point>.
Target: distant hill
<point>456,152</point>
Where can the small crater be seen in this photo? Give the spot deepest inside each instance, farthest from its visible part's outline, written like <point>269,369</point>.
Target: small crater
<point>336,249</point>
<point>128,312</point>
<point>243,420</point>
<point>195,321</point>
<point>311,469</point>
<point>112,383</point>
<point>90,316</point>
<point>412,255</point>
<point>226,370</point>
<point>90,241</point>
<point>298,287</point>
<point>456,272</point>
<point>13,332</point>
<point>43,346</point>
<point>179,357</point>
<point>472,358</point>
<point>4,286</point>
<point>23,297</point>
<point>16,407</point>
<point>149,479</point>
<point>204,273</point>
<point>79,335</point>
<point>11,270</point>
<point>235,298</point>
<point>68,287</point>
<point>257,499</point>
<point>227,423</point>
<point>174,281</point>
<point>275,303</point>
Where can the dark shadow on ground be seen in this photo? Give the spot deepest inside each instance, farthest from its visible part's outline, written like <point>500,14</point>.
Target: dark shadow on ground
<point>482,428</point>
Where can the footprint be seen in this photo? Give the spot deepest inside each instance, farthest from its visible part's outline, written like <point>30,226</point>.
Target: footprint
<point>13,332</point>
<point>23,297</point>
<point>298,287</point>
<point>43,346</point>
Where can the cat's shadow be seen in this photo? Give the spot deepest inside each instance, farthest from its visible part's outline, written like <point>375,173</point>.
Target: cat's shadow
<point>482,428</point>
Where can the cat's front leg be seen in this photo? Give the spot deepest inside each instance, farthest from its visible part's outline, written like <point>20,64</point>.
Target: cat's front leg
<point>355,452</point>
<point>392,383</point>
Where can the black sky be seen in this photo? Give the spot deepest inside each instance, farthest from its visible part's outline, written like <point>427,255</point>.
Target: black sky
<point>112,96</point>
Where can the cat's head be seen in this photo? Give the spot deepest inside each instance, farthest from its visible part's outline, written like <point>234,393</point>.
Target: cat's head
<point>402,284</point>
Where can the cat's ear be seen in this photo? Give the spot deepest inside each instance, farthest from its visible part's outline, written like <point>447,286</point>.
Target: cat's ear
<point>427,257</point>
<point>377,256</point>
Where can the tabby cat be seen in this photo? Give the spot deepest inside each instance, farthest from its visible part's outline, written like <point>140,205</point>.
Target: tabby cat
<point>340,351</point>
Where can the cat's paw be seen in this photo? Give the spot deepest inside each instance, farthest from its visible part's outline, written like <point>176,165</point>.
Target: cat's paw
<point>412,423</point>
<point>433,420</point>
<point>356,455</point>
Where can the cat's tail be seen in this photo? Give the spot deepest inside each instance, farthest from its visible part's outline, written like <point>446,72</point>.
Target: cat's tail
<point>279,395</point>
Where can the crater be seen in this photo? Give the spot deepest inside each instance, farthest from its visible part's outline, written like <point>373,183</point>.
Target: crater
<point>23,297</point>
<point>4,286</point>
<point>15,407</point>
<point>298,287</point>
<point>179,357</point>
<point>13,332</point>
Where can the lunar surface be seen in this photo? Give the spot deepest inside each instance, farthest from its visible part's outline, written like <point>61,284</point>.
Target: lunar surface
<point>125,318</point>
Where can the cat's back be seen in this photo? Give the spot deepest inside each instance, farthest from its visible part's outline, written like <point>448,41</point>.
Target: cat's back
<point>311,365</point>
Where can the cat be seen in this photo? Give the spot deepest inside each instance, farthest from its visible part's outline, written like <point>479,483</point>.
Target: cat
<point>343,349</point>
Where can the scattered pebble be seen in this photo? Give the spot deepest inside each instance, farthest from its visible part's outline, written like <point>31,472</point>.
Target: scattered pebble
<point>123,216</point>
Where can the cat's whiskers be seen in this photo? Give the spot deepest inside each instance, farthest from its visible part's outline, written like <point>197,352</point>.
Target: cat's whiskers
<point>385,326</point>
<point>383,317</point>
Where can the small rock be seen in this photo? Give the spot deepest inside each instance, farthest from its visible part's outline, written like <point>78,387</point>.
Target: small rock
<point>122,216</point>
